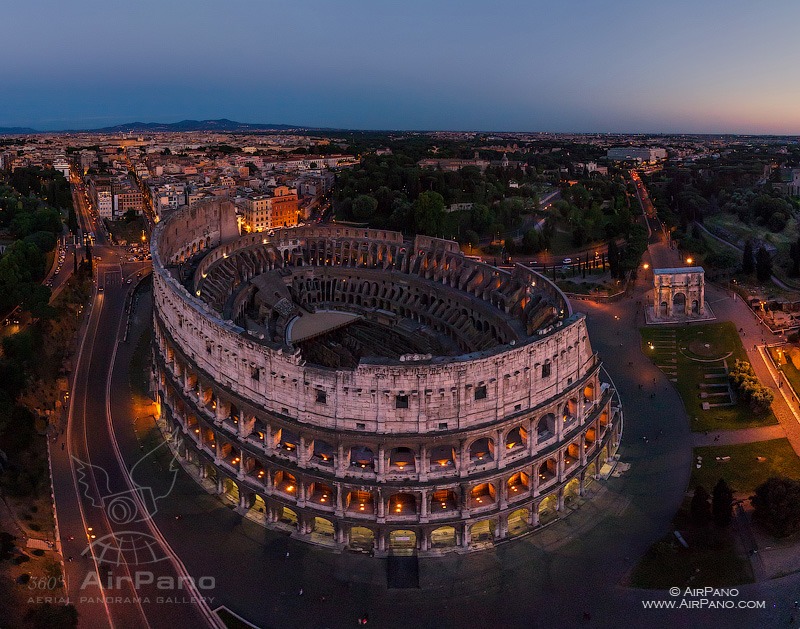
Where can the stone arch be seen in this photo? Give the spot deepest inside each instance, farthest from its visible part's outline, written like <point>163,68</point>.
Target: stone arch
<point>402,539</point>
<point>362,538</point>
<point>444,501</point>
<point>546,427</point>
<point>324,527</point>
<point>287,440</point>
<point>549,504</point>
<point>569,411</point>
<point>321,494</point>
<point>402,459</point>
<point>442,457</point>
<point>360,502</point>
<point>285,483</point>
<point>259,505</point>
<point>518,484</point>
<point>572,488</point>
<point>402,504</point>
<point>548,470</point>
<point>481,451</point>
<point>516,439</point>
<point>572,454</point>
<point>444,537</point>
<point>482,495</point>
<point>679,303</point>
<point>588,393</point>
<point>362,457</point>
<point>518,521</point>
<point>230,488</point>
<point>288,516</point>
<point>323,452</point>
<point>482,531</point>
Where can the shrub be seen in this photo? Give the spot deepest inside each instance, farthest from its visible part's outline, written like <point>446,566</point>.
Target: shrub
<point>776,505</point>
<point>747,386</point>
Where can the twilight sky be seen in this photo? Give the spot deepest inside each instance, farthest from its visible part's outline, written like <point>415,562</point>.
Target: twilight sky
<point>536,65</point>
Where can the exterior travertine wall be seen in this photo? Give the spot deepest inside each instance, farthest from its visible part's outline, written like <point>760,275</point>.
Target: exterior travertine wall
<point>527,419</point>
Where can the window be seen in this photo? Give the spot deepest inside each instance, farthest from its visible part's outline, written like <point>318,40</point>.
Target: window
<point>442,425</point>
<point>517,407</point>
<point>401,401</point>
<point>255,374</point>
<point>480,392</point>
<point>360,426</point>
<point>546,370</point>
<point>322,397</point>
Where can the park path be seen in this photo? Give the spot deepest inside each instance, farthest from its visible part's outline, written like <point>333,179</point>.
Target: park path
<point>733,437</point>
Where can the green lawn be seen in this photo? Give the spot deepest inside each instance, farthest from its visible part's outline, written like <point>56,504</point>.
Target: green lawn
<point>712,559</point>
<point>692,345</point>
<point>744,471</point>
<point>787,367</point>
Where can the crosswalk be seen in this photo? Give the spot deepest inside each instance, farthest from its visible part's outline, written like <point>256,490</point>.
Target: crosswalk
<point>110,277</point>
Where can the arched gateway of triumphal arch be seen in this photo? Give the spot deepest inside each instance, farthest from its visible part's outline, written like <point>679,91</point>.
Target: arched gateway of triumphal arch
<point>678,296</point>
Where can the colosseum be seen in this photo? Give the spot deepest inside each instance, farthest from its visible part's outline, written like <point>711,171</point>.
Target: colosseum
<point>372,392</point>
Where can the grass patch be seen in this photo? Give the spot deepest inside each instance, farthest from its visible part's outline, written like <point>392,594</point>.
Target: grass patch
<point>712,559</point>
<point>692,345</point>
<point>791,372</point>
<point>744,471</point>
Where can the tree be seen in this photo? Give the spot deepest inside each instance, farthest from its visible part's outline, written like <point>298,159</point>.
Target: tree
<point>700,507</point>
<point>747,258</point>
<point>428,213</point>
<point>722,503</point>
<point>364,206</point>
<point>763,265</point>
<point>794,258</point>
<point>776,505</point>
<point>613,257</point>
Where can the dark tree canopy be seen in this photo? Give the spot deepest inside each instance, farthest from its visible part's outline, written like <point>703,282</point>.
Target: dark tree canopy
<point>776,505</point>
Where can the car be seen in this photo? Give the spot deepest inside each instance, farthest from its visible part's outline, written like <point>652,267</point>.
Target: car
<point>129,280</point>
<point>567,261</point>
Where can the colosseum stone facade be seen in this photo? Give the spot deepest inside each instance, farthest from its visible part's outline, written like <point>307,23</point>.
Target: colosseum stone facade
<point>370,391</point>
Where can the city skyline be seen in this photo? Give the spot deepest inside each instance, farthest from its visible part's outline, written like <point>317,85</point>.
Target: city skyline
<point>627,68</point>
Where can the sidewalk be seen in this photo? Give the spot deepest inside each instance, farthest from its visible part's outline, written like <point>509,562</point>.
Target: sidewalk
<point>733,437</point>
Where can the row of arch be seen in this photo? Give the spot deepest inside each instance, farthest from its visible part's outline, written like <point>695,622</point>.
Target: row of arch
<point>325,529</point>
<point>579,417</point>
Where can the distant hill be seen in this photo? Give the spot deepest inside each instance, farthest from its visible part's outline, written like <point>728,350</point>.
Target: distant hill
<point>223,124</point>
<point>16,130</point>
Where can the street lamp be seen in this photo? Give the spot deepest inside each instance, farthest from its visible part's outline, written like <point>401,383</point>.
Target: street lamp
<point>689,260</point>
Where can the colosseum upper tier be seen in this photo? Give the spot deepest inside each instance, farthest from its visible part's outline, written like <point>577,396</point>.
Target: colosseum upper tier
<point>369,391</point>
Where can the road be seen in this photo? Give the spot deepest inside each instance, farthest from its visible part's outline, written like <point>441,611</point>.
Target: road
<point>118,570</point>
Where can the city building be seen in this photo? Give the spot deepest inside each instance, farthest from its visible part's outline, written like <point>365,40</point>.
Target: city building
<point>270,211</point>
<point>371,392</point>
<point>633,153</point>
